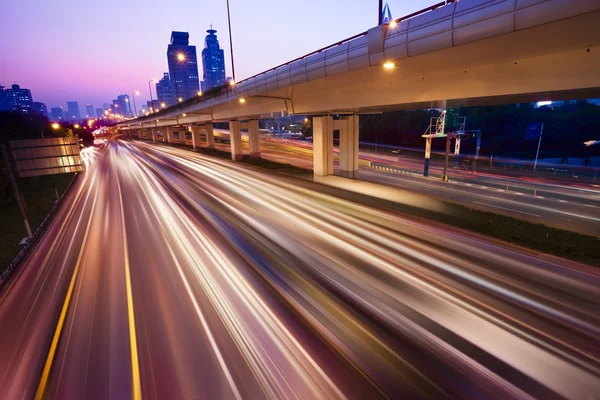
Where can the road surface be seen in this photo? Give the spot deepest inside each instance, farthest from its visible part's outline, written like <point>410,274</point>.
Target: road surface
<point>172,275</point>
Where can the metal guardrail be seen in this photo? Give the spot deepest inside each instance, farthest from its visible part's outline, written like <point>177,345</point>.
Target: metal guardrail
<point>14,267</point>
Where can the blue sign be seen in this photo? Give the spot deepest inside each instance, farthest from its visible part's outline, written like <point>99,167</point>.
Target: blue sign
<point>534,131</point>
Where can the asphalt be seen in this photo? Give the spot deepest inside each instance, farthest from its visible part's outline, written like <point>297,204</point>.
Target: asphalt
<point>169,274</point>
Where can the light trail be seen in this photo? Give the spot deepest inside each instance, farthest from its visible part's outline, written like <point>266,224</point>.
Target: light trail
<point>207,278</point>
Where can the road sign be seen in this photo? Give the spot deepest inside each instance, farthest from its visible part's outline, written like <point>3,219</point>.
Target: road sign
<point>534,131</point>
<point>36,157</point>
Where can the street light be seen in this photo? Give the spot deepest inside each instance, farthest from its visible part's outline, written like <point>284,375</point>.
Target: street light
<point>150,89</point>
<point>163,105</point>
<point>55,126</point>
<point>135,93</point>
<point>230,45</point>
<point>76,126</point>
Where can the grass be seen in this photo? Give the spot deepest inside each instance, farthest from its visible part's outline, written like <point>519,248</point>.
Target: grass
<point>39,198</point>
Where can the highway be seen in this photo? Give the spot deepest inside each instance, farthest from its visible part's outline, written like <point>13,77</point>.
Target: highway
<point>572,206</point>
<point>168,274</point>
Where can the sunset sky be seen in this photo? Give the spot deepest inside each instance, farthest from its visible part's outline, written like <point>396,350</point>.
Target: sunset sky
<point>91,51</point>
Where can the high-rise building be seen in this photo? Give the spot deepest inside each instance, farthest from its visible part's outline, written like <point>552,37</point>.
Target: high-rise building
<point>183,66</point>
<point>39,108</point>
<point>99,112</point>
<point>153,106</point>
<point>213,61</point>
<point>56,114</point>
<point>123,101</point>
<point>73,111</point>
<point>164,90</point>
<point>89,111</point>
<point>18,99</point>
<point>106,106</point>
<point>3,100</point>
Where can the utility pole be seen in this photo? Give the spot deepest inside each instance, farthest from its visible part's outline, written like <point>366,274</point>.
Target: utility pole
<point>16,189</point>
<point>231,43</point>
<point>380,16</point>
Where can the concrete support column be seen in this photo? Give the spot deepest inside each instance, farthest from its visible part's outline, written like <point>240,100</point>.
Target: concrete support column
<point>195,136</point>
<point>169,135</point>
<point>235,137</point>
<point>153,132</point>
<point>456,150</point>
<point>427,156</point>
<point>210,136</point>
<point>348,126</point>
<point>323,145</point>
<point>254,138</point>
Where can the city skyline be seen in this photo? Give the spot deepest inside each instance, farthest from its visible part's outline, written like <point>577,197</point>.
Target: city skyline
<point>93,74</point>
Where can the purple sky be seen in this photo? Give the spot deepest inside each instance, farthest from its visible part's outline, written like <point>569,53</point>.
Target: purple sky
<point>92,51</point>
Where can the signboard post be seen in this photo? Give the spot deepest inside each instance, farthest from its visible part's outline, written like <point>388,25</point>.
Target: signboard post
<point>13,183</point>
<point>535,131</point>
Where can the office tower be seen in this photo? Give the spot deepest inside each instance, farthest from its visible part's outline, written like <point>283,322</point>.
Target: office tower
<point>89,111</point>
<point>106,106</point>
<point>125,106</point>
<point>73,111</point>
<point>213,61</point>
<point>18,99</point>
<point>99,112</point>
<point>39,108</point>
<point>183,66</point>
<point>56,114</point>
<point>3,100</point>
<point>164,90</point>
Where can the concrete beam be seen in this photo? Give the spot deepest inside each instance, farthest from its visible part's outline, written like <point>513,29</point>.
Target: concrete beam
<point>235,137</point>
<point>323,145</point>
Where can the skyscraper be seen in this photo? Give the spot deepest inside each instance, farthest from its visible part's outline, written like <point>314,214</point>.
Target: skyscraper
<point>56,114</point>
<point>18,99</point>
<point>213,61</point>
<point>39,108</point>
<point>73,109</point>
<point>183,66</point>
<point>89,111</point>
<point>123,101</point>
<point>3,100</point>
<point>99,112</point>
<point>164,92</point>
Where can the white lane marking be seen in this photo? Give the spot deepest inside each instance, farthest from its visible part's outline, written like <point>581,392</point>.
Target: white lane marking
<point>506,208</point>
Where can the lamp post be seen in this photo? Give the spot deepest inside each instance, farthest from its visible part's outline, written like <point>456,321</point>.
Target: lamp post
<point>150,89</point>
<point>380,17</point>
<point>135,93</point>
<point>231,43</point>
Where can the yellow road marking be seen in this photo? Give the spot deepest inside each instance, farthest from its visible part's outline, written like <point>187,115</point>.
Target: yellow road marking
<point>63,314</point>
<point>135,368</point>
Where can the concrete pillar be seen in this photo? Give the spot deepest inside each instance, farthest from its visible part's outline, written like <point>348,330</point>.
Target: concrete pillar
<point>169,135</point>
<point>254,138</point>
<point>235,137</point>
<point>323,145</point>
<point>348,126</point>
<point>153,132</point>
<point>210,136</point>
<point>427,156</point>
<point>195,136</point>
<point>456,150</point>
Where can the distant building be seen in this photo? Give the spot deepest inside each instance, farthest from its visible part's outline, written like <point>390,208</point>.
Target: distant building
<point>99,112</point>
<point>17,99</point>
<point>56,114</point>
<point>164,91</point>
<point>183,66</point>
<point>106,106</point>
<point>39,108</point>
<point>89,111</point>
<point>124,101</point>
<point>153,105</point>
<point>73,111</point>
<point>3,100</point>
<point>213,61</point>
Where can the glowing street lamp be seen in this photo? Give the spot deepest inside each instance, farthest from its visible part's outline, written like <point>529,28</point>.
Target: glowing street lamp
<point>199,93</point>
<point>135,93</point>
<point>389,65</point>
<point>180,57</point>
<point>55,126</point>
<point>180,99</point>
<point>163,105</point>
<point>76,126</point>
<point>242,100</point>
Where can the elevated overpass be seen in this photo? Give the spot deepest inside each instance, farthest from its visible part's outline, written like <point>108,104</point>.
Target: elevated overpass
<point>455,53</point>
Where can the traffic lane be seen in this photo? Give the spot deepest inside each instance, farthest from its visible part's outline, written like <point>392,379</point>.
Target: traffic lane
<point>93,358</point>
<point>515,337</point>
<point>563,215</point>
<point>276,343</point>
<point>30,307</point>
